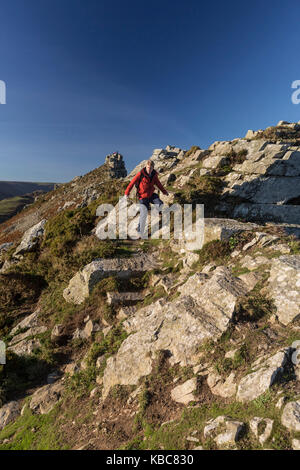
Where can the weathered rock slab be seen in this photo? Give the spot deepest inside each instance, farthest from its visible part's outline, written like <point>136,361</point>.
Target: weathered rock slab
<point>267,372</point>
<point>82,284</point>
<point>284,285</point>
<point>184,393</point>
<point>28,322</point>
<point>30,238</point>
<point>179,326</point>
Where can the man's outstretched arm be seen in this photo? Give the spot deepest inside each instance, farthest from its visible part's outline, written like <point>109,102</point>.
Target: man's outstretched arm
<point>131,184</point>
<point>160,186</point>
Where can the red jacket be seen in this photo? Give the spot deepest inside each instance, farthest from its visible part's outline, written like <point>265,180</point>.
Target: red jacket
<point>146,187</point>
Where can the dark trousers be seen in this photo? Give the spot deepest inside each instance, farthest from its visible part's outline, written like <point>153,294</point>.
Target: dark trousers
<point>154,199</point>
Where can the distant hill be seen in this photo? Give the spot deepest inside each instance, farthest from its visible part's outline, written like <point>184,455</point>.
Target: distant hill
<point>14,195</point>
<point>10,189</point>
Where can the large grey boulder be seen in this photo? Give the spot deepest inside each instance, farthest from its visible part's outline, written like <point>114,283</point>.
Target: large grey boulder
<point>217,161</point>
<point>9,413</point>
<point>82,284</point>
<point>179,326</point>
<point>284,285</point>
<point>266,373</point>
<point>291,416</point>
<point>30,238</point>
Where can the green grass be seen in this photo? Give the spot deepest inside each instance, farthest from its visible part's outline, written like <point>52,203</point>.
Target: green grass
<point>172,436</point>
<point>45,437</point>
<point>217,251</point>
<point>10,206</point>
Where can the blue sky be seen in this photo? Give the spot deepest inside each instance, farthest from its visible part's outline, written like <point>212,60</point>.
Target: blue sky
<point>87,77</point>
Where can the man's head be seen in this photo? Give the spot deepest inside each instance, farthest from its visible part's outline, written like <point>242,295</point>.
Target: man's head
<point>149,166</point>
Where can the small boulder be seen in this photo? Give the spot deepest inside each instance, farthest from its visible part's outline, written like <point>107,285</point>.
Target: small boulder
<point>254,426</point>
<point>296,444</point>
<point>291,416</point>
<point>58,332</point>
<point>184,393</point>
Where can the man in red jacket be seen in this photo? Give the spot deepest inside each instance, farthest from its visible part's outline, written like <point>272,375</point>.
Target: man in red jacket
<point>145,181</point>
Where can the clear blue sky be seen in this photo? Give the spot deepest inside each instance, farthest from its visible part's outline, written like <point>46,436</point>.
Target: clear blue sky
<point>88,77</point>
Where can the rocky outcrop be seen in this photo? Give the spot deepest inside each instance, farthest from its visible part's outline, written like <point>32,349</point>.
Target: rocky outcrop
<point>284,285</point>
<point>265,186</point>
<point>30,238</point>
<point>179,327</point>
<point>164,160</point>
<point>82,284</point>
<point>116,165</point>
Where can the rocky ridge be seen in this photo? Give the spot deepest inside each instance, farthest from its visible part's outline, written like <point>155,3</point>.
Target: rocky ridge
<point>148,335</point>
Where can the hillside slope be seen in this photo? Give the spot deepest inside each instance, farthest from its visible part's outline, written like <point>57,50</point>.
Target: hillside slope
<point>10,189</point>
<point>149,344</point>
